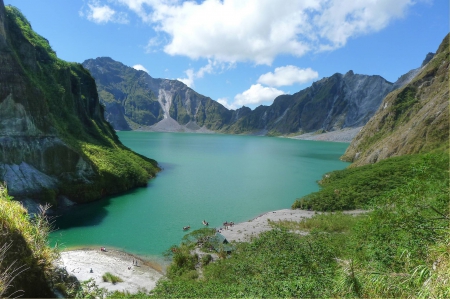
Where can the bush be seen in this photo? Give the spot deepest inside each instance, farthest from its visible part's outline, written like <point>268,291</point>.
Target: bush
<point>206,259</point>
<point>108,277</point>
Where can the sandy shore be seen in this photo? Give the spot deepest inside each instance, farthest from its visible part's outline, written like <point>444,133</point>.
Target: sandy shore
<point>244,231</point>
<point>144,276</point>
<point>79,263</point>
<point>344,135</point>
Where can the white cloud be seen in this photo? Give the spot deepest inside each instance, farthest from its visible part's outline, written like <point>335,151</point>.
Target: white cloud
<point>189,81</point>
<point>100,14</point>
<point>259,30</point>
<point>344,19</point>
<point>140,67</point>
<point>288,75</point>
<point>192,75</point>
<point>152,44</point>
<point>256,94</point>
<point>224,102</point>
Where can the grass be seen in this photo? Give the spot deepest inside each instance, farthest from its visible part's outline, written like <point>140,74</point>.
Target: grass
<point>108,277</point>
<point>358,187</point>
<point>27,260</point>
<point>327,222</point>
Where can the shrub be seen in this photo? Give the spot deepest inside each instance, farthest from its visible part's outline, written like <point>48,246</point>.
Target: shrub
<point>206,259</point>
<point>108,277</point>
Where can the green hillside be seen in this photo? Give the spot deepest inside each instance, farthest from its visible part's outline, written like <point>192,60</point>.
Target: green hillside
<point>62,137</point>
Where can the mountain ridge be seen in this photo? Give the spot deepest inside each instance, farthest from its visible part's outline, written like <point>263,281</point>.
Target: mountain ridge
<point>349,100</point>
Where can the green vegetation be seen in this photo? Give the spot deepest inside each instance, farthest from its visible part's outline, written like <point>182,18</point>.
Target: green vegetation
<point>108,277</point>
<point>26,260</point>
<point>330,223</point>
<point>62,99</point>
<point>357,187</point>
<point>398,248</point>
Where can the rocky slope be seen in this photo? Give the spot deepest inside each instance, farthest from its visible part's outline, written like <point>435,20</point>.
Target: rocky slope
<point>135,100</point>
<point>54,141</point>
<point>412,119</point>
<point>336,102</point>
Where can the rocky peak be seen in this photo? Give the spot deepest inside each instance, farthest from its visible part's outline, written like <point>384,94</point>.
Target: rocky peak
<point>429,56</point>
<point>349,73</point>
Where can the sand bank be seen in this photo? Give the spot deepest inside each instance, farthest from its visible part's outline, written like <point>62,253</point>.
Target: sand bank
<point>79,263</point>
<point>244,231</point>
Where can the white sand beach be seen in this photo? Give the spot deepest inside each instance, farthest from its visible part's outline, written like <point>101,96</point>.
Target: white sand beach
<point>79,263</point>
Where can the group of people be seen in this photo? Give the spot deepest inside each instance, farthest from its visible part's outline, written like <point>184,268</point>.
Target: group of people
<point>135,263</point>
<point>226,224</point>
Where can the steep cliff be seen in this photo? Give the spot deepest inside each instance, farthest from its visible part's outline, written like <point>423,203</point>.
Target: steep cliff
<point>53,137</point>
<point>135,100</point>
<point>412,119</point>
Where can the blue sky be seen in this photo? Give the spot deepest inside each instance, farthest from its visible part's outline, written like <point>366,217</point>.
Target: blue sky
<point>243,52</point>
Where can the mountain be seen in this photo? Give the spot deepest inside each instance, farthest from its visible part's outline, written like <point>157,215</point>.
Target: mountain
<point>412,119</point>
<point>54,140</point>
<point>336,102</point>
<point>135,100</point>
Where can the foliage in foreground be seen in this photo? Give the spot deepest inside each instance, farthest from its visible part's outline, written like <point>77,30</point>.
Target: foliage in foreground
<point>398,249</point>
<point>26,263</point>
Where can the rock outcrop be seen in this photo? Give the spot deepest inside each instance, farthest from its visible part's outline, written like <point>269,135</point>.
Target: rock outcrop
<point>412,119</point>
<point>54,140</point>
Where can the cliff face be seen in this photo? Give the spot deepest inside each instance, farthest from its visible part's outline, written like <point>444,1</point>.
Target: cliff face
<point>135,100</point>
<point>336,102</point>
<point>53,136</point>
<point>412,119</point>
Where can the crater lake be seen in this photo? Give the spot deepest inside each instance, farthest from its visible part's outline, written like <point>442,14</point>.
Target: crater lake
<point>210,177</point>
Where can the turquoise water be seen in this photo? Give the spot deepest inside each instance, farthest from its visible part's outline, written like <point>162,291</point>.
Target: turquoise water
<point>213,177</point>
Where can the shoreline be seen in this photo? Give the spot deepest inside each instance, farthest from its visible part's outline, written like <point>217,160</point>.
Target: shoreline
<point>79,261</point>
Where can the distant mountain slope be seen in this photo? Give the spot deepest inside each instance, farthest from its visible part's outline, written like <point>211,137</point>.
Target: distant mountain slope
<point>53,136</point>
<point>412,119</point>
<point>135,100</point>
<point>336,102</point>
